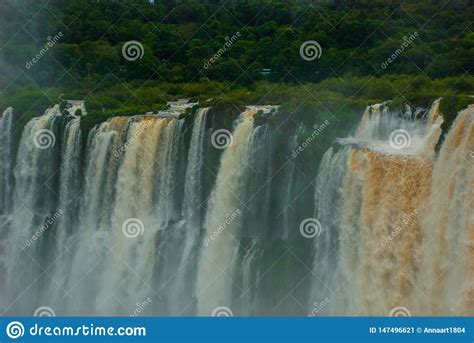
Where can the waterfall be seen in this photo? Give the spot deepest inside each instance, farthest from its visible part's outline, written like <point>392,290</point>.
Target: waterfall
<point>448,225</point>
<point>328,200</point>
<point>385,185</point>
<point>285,206</point>
<point>66,215</point>
<point>223,223</point>
<point>193,196</point>
<point>255,221</point>
<point>6,121</point>
<point>141,216</point>
<point>6,179</point>
<point>104,150</point>
<point>385,201</point>
<point>395,133</point>
<point>137,215</point>
<point>183,284</point>
<point>34,206</point>
<point>380,227</point>
<point>70,176</point>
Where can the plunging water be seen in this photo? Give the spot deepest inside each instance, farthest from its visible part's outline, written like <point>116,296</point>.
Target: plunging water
<point>148,209</point>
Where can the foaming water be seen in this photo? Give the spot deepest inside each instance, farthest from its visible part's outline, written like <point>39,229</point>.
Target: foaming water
<point>87,245</point>
<point>147,210</point>
<point>448,226</point>
<point>220,250</point>
<point>6,121</point>
<point>34,204</point>
<point>403,216</point>
<point>407,133</point>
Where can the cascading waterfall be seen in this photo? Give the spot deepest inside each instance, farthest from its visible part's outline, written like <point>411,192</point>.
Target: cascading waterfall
<point>134,221</point>
<point>380,230</point>
<point>6,122</point>
<point>448,250</point>
<point>65,217</point>
<point>139,213</point>
<point>181,297</point>
<point>223,222</point>
<point>193,194</point>
<point>388,206</point>
<point>285,206</point>
<point>328,201</point>
<point>70,177</point>
<point>6,177</point>
<point>384,185</point>
<point>255,219</point>
<point>87,244</point>
<point>34,206</point>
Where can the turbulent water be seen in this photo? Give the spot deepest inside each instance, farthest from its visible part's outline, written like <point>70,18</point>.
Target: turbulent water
<point>172,214</point>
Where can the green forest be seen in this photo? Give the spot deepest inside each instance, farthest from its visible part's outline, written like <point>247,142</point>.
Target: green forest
<point>233,53</point>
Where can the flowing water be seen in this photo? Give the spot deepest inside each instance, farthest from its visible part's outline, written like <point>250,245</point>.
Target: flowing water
<point>149,214</point>
<point>5,161</point>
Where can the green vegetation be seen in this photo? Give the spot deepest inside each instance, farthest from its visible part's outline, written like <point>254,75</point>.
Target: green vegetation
<point>450,107</point>
<point>84,58</point>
